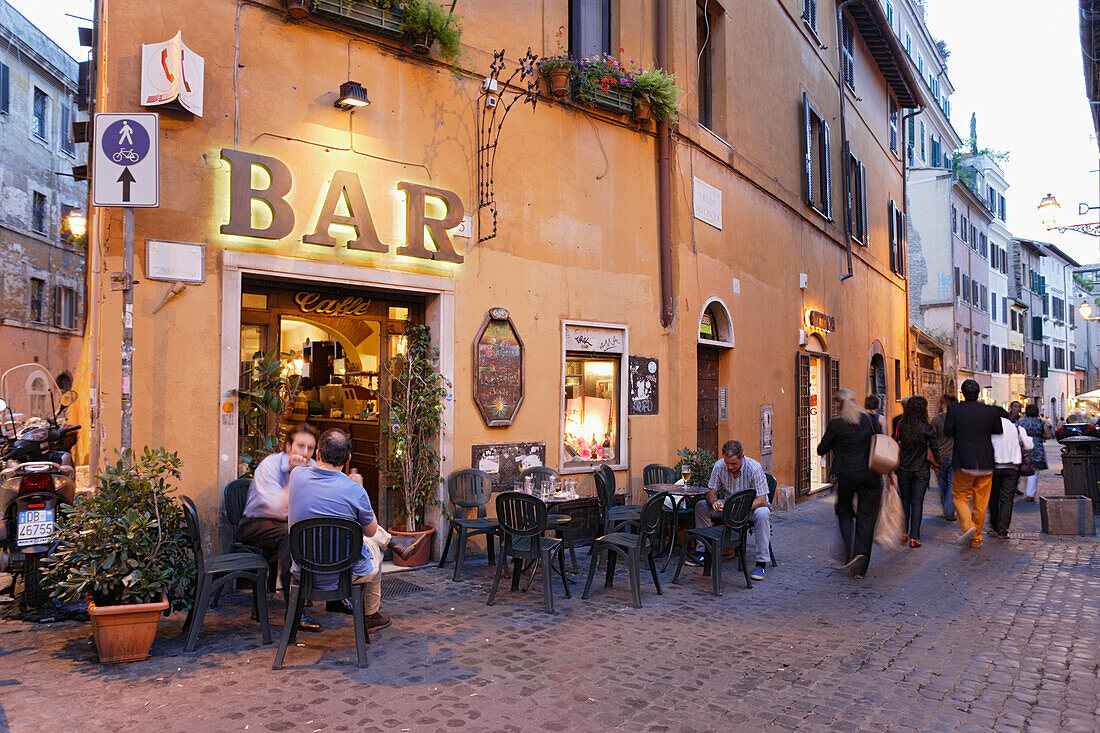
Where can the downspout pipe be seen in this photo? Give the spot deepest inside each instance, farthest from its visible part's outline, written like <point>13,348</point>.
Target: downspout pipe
<point>664,178</point>
<point>844,139</point>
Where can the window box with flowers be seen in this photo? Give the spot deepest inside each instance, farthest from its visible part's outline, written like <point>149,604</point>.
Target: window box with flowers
<point>381,16</point>
<point>603,82</point>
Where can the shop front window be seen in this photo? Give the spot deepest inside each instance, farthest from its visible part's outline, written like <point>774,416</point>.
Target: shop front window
<point>592,403</point>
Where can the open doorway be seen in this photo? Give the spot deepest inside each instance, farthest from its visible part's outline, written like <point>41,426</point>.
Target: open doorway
<point>818,378</point>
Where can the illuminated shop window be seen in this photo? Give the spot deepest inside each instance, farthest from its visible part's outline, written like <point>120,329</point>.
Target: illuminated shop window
<point>592,402</point>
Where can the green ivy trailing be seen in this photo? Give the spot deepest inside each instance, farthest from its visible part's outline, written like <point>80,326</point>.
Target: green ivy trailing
<point>415,401</point>
<point>658,88</point>
<point>127,542</point>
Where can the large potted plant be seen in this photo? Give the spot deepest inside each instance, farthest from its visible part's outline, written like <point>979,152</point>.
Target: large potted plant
<point>425,23</point>
<point>602,81</point>
<point>417,392</point>
<point>125,549</point>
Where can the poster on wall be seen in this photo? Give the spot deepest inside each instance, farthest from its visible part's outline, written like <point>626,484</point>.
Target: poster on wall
<point>643,386</point>
<point>498,369</point>
<point>766,415</point>
<point>505,461</point>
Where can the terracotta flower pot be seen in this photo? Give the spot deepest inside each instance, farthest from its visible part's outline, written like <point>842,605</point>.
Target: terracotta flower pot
<point>298,9</point>
<point>421,554</point>
<point>642,110</point>
<point>422,44</point>
<point>125,633</point>
<point>559,81</point>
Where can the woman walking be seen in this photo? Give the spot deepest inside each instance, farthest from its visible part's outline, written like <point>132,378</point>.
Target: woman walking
<point>917,439</point>
<point>1008,452</point>
<point>1039,430</point>
<point>849,438</point>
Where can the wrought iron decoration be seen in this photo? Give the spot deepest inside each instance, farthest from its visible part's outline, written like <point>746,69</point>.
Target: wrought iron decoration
<point>490,120</point>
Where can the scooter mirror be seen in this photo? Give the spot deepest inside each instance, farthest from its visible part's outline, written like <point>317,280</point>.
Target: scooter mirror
<point>67,398</point>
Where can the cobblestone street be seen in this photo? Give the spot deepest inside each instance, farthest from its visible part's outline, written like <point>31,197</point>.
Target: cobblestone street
<point>940,638</point>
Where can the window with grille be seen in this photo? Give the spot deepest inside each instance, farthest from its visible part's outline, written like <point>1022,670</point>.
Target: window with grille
<point>38,212</point>
<point>38,117</point>
<point>38,297</point>
<point>817,175</point>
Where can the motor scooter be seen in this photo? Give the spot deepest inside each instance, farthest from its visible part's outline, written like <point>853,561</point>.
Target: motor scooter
<point>36,477</point>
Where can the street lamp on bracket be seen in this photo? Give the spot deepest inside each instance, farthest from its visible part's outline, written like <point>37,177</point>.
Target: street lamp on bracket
<point>1048,214</point>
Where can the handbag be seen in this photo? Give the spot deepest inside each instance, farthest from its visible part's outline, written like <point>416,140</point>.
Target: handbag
<point>885,454</point>
<point>1027,464</point>
<point>891,519</point>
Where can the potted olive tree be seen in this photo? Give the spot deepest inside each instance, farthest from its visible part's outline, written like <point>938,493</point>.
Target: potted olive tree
<point>415,402</point>
<point>125,549</point>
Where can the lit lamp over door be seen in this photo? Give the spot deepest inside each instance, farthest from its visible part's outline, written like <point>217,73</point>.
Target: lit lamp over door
<point>1086,310</point>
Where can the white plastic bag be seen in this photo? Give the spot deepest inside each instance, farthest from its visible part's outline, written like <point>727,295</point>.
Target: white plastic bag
<point>891,519</point>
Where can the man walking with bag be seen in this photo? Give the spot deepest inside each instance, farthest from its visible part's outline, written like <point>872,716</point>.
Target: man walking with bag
<point>972,424</point>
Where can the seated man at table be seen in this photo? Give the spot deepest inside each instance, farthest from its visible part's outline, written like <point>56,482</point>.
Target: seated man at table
<point>264,525</point>
<point>324,490</point>
<point>734,472</point>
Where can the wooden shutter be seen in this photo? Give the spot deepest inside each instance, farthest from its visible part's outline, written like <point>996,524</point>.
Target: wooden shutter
<point>802,392</point>
<point>893,239</point>
<point>834,387</point>
<point>58,315</point>
<point>5,89</point>
<point>863,204</point>
<point>808,182</point>
<point>827,178</point>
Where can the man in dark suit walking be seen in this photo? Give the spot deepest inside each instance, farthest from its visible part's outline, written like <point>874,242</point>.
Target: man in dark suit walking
<point>972,425</point>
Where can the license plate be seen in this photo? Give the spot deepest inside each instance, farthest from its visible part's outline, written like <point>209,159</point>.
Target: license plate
<point>35,526</point>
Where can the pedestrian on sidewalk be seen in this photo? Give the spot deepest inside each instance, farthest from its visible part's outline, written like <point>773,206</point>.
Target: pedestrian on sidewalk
<point>920,452</point>
<point>871,403</point>
<point>1008,450</point>
<point>848,437</point>
<point>1039,430</point>
<point>945,476</point>
<point>972,424</point>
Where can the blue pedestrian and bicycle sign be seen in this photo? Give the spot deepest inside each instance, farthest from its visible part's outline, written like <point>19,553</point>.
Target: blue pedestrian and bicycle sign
<point>126,165</point>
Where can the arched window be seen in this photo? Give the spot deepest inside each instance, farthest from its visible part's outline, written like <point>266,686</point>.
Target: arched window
<point>715,324</point>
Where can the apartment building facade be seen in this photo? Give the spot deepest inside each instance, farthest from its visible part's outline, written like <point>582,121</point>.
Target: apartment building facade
<point>41,256</point>
<point>1059,337</point>
<point>1028,269</point>
<point>785,205</point>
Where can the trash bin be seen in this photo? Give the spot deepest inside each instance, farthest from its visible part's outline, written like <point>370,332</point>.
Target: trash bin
<point>1081,468</point>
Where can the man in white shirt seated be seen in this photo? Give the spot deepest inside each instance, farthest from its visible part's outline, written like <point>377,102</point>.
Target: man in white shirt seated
<point>264,525</point>
<point>735,472</point>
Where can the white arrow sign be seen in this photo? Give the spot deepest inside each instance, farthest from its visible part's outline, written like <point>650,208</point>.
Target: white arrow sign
<point>126,163</point>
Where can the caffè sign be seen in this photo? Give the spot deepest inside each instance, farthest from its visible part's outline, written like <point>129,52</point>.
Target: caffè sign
<point>345,188</point>
<point>338,308</point>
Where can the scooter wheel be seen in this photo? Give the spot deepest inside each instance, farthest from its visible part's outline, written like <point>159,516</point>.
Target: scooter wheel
<point>34,595</point>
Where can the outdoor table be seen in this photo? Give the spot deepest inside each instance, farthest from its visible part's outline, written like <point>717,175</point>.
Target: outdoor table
<point>551,502</point>
<point>679,493</point>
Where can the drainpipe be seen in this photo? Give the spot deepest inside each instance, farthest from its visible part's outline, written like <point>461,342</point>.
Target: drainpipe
<point>664,177</point>
<point>905,205</point>
<point>844,139</point>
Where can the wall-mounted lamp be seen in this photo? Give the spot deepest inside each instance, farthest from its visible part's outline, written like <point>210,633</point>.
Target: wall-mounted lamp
<point>352,96</point>
<point>1086,310</point>
<point>74,224</point>
<point>1048,214</point>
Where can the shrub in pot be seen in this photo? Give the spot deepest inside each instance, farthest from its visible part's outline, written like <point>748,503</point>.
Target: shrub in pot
<point>426,22</point>
<point>656,89</point>
<point>416,396</point>
<point>125,548</point>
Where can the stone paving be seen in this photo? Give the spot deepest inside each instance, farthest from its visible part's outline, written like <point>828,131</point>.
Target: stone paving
<point>935,639</point>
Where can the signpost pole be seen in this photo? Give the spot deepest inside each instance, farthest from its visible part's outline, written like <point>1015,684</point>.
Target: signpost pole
<point>127,325</point>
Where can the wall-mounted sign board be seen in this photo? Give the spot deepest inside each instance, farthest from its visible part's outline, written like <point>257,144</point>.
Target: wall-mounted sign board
<point>498,369</point>
<point>643,386</point>
<point>505,461</point>
<point>182,262</point>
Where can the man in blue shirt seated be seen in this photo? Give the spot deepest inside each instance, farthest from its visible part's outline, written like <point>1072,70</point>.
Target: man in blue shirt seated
<point>264,525</point>
<point>324,490</point>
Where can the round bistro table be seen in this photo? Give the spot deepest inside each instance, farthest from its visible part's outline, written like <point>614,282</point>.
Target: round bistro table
<point>680,494</point>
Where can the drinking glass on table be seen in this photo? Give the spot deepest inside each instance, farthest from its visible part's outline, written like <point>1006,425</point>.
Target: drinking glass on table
<point>685,473</point>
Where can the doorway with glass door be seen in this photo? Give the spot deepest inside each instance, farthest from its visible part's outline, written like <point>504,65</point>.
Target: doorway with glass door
<point>330,343</point>
<point>818,380</point>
